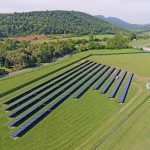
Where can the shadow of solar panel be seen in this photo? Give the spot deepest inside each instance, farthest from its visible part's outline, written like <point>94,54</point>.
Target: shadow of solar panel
<point>115,89</point>
<point>41,84</point>
<point>100,83</point>
<point>110,82</point>
<point>40,90</point>
<point>23,117</point>
<point>125,88</point>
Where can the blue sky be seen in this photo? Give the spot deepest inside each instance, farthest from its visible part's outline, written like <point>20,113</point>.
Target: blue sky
<point>134,11</point>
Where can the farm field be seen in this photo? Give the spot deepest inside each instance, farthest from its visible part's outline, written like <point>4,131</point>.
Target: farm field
<point>74,38</point>
<point>93,121</point>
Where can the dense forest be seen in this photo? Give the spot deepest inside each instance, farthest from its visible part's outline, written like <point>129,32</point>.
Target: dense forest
<point>53,22</point>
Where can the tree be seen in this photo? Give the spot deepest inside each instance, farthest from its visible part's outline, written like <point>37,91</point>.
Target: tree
<point>118,42</point>
<point>95,45</point>
<point>91,37</point>
<point>81,47</point>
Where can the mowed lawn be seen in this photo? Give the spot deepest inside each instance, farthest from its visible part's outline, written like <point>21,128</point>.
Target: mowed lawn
<point>134,134</point>
<point>81,124</point>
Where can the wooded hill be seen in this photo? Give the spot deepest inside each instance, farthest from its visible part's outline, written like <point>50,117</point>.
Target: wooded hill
<point>53,22</point>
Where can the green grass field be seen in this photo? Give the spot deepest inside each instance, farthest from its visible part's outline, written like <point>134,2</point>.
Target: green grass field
<point>93,121</point>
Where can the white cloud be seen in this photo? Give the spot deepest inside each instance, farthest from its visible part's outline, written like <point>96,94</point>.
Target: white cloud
<point>135,11</point>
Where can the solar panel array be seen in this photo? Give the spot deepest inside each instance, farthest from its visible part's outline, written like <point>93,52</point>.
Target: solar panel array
<point>52,106</point>
<point>125,88</point>
<point>46,96</point>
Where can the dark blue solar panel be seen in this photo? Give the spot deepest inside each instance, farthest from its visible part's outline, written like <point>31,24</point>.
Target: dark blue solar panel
<point>125,88</point>
<point>100,83</point>
<point>34,101</point>
<point>110,82</point>
<point>51,97</point>
<point>24,99</point>
<point>86,87</point>
<point>115,89</point>
<point>42,84</point>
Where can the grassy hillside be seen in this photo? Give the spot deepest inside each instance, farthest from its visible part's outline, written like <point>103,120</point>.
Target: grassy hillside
<point>83,124</point>
<point>53,22</point>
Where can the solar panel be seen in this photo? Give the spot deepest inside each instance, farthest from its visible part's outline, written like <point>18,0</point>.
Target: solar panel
<point>40,90</point>
<point>115,89</point>
<point>41,84</point>
<point>86,87</point>
<point>34,101</point>
<point>99,84</point>
<point>51,97</point>
<point>110,82</point>
<point>51,107</point>
<point>125,88</point>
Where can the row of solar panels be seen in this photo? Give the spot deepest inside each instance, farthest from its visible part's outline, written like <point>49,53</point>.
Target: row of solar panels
<point>78,73</point>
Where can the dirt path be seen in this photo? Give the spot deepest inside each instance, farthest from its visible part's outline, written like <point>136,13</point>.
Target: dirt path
<point>140,90</point>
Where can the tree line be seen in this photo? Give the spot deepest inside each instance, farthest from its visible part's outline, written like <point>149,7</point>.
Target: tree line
<point>17,55</point>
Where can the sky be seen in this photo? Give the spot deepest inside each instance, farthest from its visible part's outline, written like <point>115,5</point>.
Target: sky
<point>133,11</point>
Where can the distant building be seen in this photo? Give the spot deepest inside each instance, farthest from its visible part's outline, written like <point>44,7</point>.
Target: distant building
<point>148,85</point>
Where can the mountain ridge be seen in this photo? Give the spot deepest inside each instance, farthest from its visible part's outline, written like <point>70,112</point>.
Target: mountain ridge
<point>123,24</point>
<point>53,22</point>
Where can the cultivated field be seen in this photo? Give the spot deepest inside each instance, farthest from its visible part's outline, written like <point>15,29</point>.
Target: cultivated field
<point>93,121</point>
